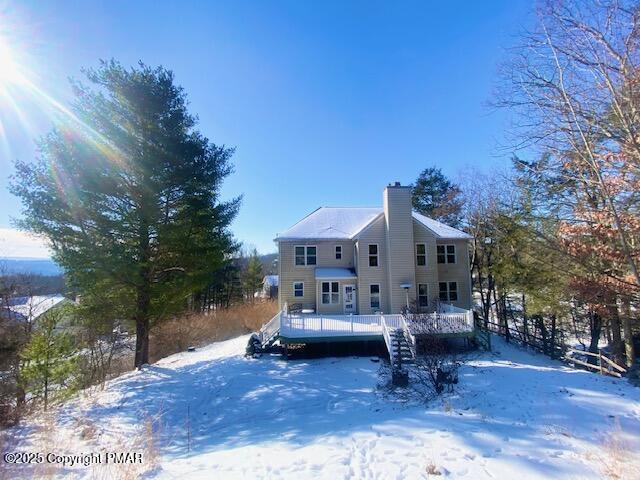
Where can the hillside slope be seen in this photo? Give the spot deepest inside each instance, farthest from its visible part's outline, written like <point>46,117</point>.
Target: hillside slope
<point>217,414</point>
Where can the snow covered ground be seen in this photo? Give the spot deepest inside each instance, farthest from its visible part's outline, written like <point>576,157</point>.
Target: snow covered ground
<point>219,415</point>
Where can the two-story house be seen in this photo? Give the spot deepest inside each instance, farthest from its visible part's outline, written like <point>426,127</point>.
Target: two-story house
<point>365,260</point>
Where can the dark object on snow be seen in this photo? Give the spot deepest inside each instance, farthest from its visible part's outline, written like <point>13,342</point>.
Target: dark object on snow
<point>400,378</point>
<point>191,349</point>
<point>253,346</point>
<point>633,375</point>
<point>445,378</point>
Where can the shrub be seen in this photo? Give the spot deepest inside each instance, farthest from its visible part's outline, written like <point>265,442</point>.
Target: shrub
<point>197,329</point>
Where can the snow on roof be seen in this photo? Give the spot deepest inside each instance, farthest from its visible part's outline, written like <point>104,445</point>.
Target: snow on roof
<point>335,273</point>
<point>344,223</point>
<point>30,308</point>
<point>270,280</point>
<point>331,223</point>
<point>440,229</point>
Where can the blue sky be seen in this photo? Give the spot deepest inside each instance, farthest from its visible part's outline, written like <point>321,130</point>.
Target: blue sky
<point>311,94</point>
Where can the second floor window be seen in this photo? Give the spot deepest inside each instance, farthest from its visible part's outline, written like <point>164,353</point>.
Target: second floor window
<point>373,255</point>
<point>338,252</point>
<point>305,255</point>
<point>421,254</point>
<point>448,291</point>
<point>423,295</point>
<point>330,293</point>
<point>446,253</point>
<point>374,295</point>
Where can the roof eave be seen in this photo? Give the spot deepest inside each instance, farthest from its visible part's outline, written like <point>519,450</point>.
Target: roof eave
<point>309,239</point>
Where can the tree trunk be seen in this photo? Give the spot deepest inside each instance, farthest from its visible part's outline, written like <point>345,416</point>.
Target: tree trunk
<point>595,329</point>
<point>525,331</point>
<point>543,333</point>
<point>554,332</point>
<point>142,341</point>
<point>628,332</point>
<point>616,336</point>
<point>143,301</point>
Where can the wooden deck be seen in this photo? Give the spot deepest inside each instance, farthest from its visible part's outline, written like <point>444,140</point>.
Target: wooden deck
<point>314,328</point>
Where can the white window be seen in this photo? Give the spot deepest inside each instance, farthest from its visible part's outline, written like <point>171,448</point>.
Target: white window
<point>446,253</point>
<point>373,255</point>
<point>448,291</point>
<point>330,293</point>
<point>298,289</point>
<point>338,252</point>
<point>423,295</point>
<point>374,296</point>
<point>305,255</point>
<point>421,254</point>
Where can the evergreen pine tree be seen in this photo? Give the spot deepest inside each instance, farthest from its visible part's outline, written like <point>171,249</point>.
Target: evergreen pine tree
<point>435,196</point>
<point>128,193</point>
<point>253,275</point>
<point>48,360</point>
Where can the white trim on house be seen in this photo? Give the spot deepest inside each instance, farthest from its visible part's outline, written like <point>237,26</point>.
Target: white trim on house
<point>301,289</point>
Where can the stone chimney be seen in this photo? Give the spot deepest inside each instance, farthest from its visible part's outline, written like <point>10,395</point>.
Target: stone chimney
<point>400,248</point>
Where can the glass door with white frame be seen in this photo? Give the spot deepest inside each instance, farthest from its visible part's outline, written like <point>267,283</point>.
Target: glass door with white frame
<point>349,299</point>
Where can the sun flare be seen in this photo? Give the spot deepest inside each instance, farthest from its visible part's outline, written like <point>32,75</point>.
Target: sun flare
<point>9,68</point>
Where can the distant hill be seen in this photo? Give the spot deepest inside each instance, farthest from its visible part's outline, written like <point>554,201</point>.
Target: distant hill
<point>44,266</point>
<point>36,266</point>
<point>269,266</point>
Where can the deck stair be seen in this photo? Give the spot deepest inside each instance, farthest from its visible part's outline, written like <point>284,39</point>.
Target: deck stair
<point>402,351</point>
<point>264,340</point>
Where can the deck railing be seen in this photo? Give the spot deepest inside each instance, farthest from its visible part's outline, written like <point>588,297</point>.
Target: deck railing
<point>332,325</point>
<point>271,328</point>
<point>327,325</point>
<point>386,334</point>
<point>435,323</point>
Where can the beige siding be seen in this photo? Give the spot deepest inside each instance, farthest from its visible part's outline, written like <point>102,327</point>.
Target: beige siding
<point>457,272</point>
<point>400,245</point>
<point>427,274</point>
<point>290,272</point>
<point>367,275</point>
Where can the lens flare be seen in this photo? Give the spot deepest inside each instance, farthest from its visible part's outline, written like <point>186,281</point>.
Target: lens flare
<point>21,95</point>
<point>9,69</point>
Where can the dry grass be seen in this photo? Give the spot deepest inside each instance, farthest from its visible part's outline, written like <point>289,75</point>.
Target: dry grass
<point>431,469</point>
<point>176,335</point>
<point>617,460</point>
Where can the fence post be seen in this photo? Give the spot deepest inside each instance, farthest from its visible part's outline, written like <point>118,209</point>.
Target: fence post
<point>600,361</point>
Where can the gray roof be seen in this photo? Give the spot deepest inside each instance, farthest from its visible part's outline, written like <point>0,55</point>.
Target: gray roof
<point>440,229</point>
<point>335,273</point>
<point>344,223</point>
<point>331,223</point>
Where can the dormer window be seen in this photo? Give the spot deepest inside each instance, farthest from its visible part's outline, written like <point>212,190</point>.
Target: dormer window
<point>338,252</point>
